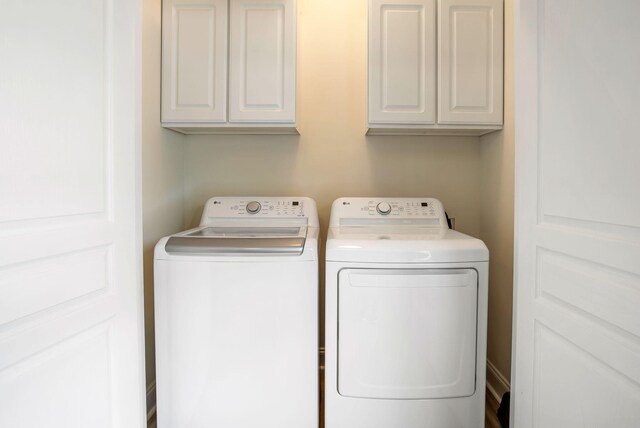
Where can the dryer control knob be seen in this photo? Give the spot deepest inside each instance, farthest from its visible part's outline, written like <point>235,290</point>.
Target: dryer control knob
<point>253,207</point>
<point>383,208</point>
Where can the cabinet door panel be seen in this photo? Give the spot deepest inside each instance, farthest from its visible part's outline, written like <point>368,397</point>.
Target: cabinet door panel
<point>262,79</point>
<point>470,61</point>
<point>194,61</point>
<point>402,61</point>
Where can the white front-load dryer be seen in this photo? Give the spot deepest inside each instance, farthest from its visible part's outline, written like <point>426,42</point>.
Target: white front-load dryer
<point>406,317</point>
<point>236,317</point>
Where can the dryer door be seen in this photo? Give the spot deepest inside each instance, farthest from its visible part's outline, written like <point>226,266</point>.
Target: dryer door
<point>407,333</point>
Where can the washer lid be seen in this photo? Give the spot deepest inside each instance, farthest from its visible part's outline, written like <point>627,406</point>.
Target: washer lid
<point>402,244</point>
<point>234,240</point>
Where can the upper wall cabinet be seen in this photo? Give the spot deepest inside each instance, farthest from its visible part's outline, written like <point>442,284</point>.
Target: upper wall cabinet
<point>229,66</point>
<point>435,67</point>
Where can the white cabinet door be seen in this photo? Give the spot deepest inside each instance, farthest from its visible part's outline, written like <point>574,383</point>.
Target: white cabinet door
<point>262,68</point>
<point>71,321</point>
<point>402,61</point>
<point>194,61</point>
<point>576,359</point>
<point>470,61</point>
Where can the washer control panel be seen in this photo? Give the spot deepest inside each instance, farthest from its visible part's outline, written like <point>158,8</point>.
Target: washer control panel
<point>398,208</point>
<point>258,207</point>
<point>389,208</point>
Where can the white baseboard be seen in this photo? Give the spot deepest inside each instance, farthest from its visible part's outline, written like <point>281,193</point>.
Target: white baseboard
<point>151,400</point>
<point>497,384</point>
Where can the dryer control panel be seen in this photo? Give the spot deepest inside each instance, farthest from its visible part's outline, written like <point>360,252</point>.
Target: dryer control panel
<point>427,211</point>
<point>258,207</point>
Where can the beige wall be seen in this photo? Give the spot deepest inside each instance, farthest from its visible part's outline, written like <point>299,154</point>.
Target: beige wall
<point>496,222</point>
<point>162,169</point>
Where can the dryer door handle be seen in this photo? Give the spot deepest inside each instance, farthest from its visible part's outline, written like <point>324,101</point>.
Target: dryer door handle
<point>412,278</point>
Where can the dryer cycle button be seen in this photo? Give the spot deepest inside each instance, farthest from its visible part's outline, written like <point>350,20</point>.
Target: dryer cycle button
<point>253,207</point>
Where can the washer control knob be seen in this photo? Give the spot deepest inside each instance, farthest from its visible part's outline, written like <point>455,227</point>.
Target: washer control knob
<point>383,208</point>
<point>253,207</point>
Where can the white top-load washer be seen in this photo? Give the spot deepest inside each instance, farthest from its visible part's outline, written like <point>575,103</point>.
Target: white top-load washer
<point>406,317</point>
<point>236,317</point>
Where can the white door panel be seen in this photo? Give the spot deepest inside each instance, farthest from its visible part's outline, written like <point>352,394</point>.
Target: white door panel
<point>402,61</point>
<point>566,397</point>
<point>71,343</point>
<point>50,104</point>
<point>28,288</point>
<point>590,149</point>
<point>65,385</point>
<point>262,68</point>
<point>577,327</point>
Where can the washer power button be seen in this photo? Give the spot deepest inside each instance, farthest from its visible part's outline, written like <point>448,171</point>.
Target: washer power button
<point>253,207</point>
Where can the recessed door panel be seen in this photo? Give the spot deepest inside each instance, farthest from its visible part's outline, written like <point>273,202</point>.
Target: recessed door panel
<point>402,61</point>
<point>194,69</point>
<point>407,333</point>
<point>262,68</point>
<point>470,61</point>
